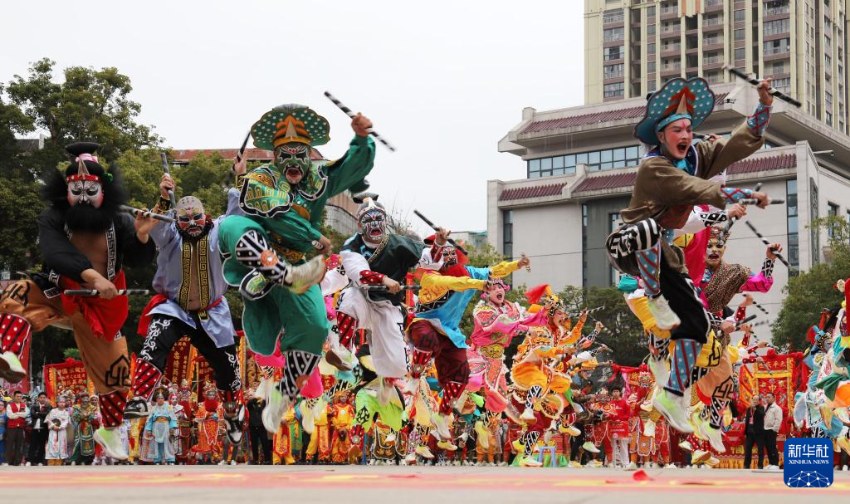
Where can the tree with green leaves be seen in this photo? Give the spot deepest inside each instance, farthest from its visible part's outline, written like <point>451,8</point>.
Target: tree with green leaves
<point>812,291</point>
<point>89,104</point>
<point>19,201</point>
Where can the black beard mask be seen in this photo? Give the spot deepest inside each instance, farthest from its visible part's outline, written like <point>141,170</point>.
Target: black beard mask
<point>187,237</point>
<point>88,218</point>
<point>85,217</point>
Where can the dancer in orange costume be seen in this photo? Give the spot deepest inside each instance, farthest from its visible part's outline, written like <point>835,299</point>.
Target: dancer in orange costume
<point>342,419</point>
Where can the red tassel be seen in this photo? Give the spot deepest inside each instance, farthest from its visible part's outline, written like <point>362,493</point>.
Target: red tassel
<point>535,293</point>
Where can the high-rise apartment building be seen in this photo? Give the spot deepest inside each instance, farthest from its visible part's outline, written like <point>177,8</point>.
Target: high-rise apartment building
<point>800,44</point>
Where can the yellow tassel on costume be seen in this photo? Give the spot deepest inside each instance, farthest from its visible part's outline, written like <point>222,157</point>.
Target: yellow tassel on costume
<point>734,353</point>
<point>640,307</point>
<point>710,354</point>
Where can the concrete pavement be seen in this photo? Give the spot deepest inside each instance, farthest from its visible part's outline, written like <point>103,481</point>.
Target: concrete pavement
<point>403,485</point>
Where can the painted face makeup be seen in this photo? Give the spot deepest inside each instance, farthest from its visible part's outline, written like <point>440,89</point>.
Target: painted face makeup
<point>449,256</point>
<point>85,190</point>
<point>373,226</point>
<point>714,252</point>
<point>191,218</point>
<point>676,138</point>
<point>293,160</point>
<point>496,292</point>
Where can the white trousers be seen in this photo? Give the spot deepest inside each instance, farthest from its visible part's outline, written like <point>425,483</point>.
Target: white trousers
<point>385,323</point>
<point>621,451</point>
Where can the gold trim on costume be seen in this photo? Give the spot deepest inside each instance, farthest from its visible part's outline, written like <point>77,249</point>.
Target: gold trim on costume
<point>277,243</point>
<point>261,177</point>
<point>190,251</point>
<point>186,266</point>
<point>492,351</point>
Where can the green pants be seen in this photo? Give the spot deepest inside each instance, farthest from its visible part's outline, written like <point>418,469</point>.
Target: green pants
<point>391,414</point>
<point>300,320</point>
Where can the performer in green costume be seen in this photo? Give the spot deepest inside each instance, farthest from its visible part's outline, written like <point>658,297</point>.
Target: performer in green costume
<point>283,204</point>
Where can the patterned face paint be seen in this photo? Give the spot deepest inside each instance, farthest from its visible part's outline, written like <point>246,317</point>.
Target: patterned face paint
<point>293,160</point>
<point>373,226</point>
<point>449,256</point>
<point>191,218</point>
<point>85,190</point>
<point>714,252</point>
<point>495,292</point>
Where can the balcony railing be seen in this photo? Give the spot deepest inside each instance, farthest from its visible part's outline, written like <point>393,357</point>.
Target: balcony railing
<point>778,69</point>
<point>776,11</point>
<point>777,51</point>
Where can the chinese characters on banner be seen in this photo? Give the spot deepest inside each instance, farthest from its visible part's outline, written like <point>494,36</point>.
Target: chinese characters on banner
<point>69,375</point>
<point>780,375</point>
<point>179,366</point>
<point>203,373</point>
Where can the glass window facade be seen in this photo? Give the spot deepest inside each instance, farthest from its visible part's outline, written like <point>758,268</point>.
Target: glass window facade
<point>793,223</point>
<point>613,53</point>
<point>584,222</point>
<point>814,214</point>
<point>776,7</point>
<point>612,34</point>
<point>611,90</point>
<point>777,27</point>
<point>508,234</point>
<point>613,16</point>
<point>831,211</point>
<point>600,160</point>
<point>613,224</point>
<point>777,46</point>
<point>612,71</point>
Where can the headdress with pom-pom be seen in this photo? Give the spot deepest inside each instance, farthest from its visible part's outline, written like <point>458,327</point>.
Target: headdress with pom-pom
<point>542,297</point>
<point>719,233</point>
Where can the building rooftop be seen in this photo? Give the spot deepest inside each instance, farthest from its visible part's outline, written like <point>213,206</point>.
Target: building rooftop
<point>537,191</point>
<point>604,182</point>
<point>574,117</point>
<point>183,156</point>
